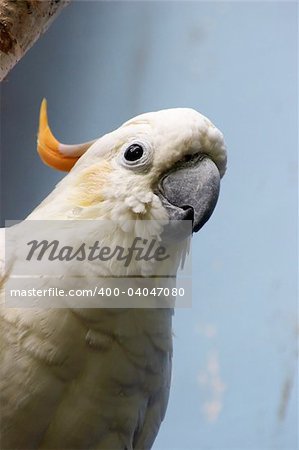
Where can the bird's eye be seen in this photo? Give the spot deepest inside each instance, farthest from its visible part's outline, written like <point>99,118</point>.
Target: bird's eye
<point>133,153</point>
<point>136,156</point>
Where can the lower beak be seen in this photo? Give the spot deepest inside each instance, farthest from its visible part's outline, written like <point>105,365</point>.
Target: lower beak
<point>190,191</point>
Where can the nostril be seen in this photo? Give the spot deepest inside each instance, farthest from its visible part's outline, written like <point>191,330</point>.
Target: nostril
<point>188,158</point>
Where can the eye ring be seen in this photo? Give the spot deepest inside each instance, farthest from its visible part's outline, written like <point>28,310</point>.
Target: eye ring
<point>137,155</point>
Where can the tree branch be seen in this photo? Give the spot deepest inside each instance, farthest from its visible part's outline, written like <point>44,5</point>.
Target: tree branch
<point>21,24</point>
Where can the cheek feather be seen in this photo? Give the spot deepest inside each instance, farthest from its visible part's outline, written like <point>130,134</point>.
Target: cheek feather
<point>90,184</point>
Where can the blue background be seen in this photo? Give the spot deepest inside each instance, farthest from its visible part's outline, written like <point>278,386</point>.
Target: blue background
<point>235,370</point>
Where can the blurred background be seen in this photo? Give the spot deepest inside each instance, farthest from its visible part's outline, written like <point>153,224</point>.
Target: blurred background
<point>235,373</point>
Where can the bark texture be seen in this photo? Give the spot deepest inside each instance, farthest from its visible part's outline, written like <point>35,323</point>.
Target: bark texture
<point>21,24</point>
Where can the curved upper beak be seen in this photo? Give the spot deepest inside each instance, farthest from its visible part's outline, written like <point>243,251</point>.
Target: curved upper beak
<point>190,191</point>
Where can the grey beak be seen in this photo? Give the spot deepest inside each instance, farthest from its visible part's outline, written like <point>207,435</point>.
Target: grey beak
<point>190,191</point>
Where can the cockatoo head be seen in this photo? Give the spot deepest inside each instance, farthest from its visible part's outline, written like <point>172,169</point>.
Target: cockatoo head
<point>159,165</point>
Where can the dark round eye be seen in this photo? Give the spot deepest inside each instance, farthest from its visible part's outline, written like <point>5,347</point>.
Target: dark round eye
<point>133,153</point>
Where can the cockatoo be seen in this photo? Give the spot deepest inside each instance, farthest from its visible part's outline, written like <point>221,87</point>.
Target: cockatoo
<point>99,378</point>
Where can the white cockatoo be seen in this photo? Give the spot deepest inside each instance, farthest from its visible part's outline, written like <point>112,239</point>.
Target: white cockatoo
<point>98,378</point>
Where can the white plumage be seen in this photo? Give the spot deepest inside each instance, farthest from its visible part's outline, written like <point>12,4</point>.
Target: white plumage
<point>99,378</point>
